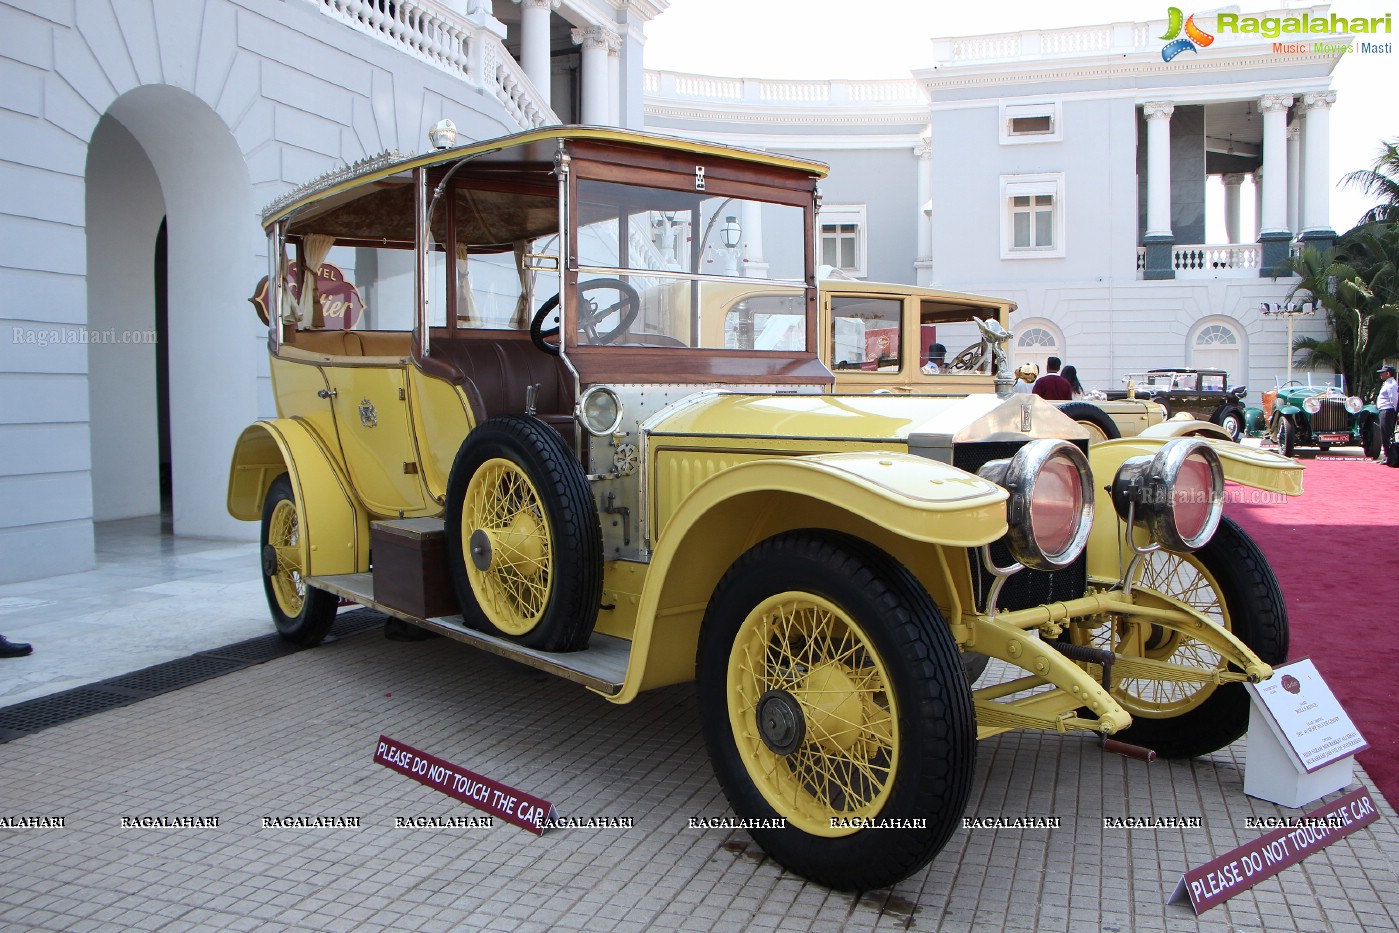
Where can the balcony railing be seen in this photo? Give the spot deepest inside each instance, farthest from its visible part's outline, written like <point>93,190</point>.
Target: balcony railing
<point>1192,260</point>
<point>456,44</point>
<point>676,86</point>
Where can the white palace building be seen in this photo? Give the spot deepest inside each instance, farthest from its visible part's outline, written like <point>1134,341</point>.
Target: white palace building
<point>139,139</point>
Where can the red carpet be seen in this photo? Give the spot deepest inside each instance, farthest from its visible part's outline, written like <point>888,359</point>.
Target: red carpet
<point>1335,550</point>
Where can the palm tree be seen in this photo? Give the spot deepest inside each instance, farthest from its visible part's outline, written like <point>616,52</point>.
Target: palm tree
<point>1382,182</point>
<point>1356,282</point>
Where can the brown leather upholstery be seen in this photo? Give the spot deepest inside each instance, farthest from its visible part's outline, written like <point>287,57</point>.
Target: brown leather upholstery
<point>496,367</point>
<point>376,343</point>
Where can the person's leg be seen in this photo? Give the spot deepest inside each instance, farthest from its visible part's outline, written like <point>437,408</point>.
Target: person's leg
<point>1387,419</point>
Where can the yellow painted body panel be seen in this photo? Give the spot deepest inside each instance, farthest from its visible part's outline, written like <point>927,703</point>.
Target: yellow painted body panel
<point>371,416</point>
<point>335,527</point>
<point>441,420</point>
<point>294,386</point>
<point>899,502</point>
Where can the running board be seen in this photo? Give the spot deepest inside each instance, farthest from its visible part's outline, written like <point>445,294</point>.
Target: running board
<point>602,666</point>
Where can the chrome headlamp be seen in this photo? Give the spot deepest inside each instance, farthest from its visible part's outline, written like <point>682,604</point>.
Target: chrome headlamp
<point>1178,493</point>
<point>1354,404</point>
<point>1050,510</point>
<point>600,411</point>
<point>1311,404</point>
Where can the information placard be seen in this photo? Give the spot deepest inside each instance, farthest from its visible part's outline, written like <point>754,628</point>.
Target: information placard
<point>1220,879</point>
<point>1307,716</point>
<point>514,806</point>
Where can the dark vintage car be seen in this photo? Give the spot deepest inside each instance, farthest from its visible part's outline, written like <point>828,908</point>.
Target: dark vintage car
<point>1199,393</point>
<point>1319,416</point>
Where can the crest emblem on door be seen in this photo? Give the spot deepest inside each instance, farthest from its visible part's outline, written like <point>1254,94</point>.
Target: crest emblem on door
<point>367,415</point>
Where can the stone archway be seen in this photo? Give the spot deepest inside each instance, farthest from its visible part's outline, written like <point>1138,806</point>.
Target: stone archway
<point>162,152</point>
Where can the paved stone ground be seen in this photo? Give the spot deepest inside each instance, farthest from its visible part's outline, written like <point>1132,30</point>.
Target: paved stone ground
<point>295,736</point>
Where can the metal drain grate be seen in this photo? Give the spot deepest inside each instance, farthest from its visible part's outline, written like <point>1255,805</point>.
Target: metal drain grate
<point>44,712</point>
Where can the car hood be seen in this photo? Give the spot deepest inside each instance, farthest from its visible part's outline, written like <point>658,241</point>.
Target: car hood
<point>919,421</point>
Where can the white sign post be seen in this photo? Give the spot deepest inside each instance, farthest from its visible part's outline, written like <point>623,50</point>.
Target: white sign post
<point>1300,740</point>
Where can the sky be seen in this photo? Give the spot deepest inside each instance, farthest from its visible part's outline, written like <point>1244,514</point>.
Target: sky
<point>869,39</point>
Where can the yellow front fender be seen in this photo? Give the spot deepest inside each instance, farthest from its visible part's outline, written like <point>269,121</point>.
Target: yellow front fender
<point>910,506</point>
<point>334,526</point>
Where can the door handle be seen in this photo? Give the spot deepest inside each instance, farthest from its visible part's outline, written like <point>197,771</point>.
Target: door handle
<point>327,393</point>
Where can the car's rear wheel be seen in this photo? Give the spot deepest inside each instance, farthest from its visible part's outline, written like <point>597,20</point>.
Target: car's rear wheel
<point>302,613</point>
<point>1230,582</point>
<point>832,696</point>
<point>1232,421</point>
<point>523,540</point>
<point>1094,420</point>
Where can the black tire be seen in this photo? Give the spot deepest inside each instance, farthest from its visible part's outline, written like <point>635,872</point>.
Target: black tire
<point>1374,441</point>
<point>549,601</point>
<point>909,655</point>
<point>1238,576</point>
<point>1323,446</point>
<point>1287,437</point>
<point>308,623</point>
<point>1092,417</point>
<point>1231,420</point>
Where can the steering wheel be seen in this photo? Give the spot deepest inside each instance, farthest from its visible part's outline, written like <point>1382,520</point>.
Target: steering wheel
<point>1288,385</point>
<point>969,360</point>
<point>590,314</point>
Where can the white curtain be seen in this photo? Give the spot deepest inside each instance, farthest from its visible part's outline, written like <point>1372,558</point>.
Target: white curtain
<point>314,251</point>
<point>523,311</point>
<point>466,304</point>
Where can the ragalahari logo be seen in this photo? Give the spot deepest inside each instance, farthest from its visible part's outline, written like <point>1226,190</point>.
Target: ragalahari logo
<point>1194,39</point>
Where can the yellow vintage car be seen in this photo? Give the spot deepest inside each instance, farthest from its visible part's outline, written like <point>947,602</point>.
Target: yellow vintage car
<point>876,337</point>
<point>565,431</point>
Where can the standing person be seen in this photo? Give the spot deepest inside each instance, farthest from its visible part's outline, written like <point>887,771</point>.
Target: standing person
<point>1025,377</point>
<point>1052,386</point>
<point>1071,374</point>
<point>1387,401</point>
<point>13,649</point>
<point>937,359</point>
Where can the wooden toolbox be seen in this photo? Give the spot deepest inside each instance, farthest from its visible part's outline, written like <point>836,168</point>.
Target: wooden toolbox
<point>410,567</point>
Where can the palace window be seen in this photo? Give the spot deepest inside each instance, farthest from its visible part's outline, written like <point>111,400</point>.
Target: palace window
<point>843,238</point>
<point>1033,216</point>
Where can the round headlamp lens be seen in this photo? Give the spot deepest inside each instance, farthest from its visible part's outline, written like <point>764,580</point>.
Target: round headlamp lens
<point>1056,505</point>
<point>1311,405</point>
<point>600,410</point>
<point>1354,404</point>
<point>1050,510</point>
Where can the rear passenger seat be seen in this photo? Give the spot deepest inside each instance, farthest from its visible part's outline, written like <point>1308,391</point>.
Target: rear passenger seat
<point>381,343</point>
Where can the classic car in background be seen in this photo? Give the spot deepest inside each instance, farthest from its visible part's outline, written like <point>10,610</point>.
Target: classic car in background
<point>590,450</point>
<point>1204,394</point>
<point>1322,416</point>
<point>876,336</point>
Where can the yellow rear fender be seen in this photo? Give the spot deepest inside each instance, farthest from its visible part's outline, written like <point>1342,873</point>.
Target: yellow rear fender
<point>920,511</point>
<point>334,525</point>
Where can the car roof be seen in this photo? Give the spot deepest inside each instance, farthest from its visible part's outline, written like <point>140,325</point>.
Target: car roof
<point>529,147</point>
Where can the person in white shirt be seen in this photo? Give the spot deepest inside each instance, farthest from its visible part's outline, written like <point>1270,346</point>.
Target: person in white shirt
<point>1386,402</point>
<point>937,359</point>
<point>1025,377</point>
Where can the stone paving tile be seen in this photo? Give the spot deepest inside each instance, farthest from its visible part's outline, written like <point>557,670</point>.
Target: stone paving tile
<point>295,736</point>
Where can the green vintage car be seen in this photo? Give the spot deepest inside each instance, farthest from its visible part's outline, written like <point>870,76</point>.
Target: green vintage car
<point>1320,416</point>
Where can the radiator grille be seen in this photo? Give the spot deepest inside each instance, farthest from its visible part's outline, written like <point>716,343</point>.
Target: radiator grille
<point>1026,588</point>
<point>1332,418</point>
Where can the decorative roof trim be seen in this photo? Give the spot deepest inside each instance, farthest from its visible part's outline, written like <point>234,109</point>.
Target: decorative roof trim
<point>332,178</point>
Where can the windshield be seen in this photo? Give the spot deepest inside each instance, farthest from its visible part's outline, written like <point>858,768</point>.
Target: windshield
<point>659,267</point>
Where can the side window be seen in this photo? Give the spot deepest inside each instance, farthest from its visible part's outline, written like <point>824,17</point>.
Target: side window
<point>866,333</point>
<point>1032,216</point>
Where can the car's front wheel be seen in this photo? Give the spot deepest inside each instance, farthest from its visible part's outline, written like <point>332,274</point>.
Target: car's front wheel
<point>1286,437</point>
<point>833,698</point>
<point>1232,421</point>
<point>1230,582</point>
<point>302,613</point>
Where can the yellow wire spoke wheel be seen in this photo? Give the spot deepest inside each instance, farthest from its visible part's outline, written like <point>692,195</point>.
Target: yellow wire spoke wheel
<point>509,547</point>
<point>284,536</point>
<point>813,714</point>
<point>1182,577</point>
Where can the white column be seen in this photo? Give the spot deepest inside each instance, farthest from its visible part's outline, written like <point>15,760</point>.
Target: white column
<point>923,262</point>
<point>1274,109</point>
<point>1316,185</point>
<point>1232,182</point>
<point>534,42</point>
<point>614,81</point>
<point>595,41</point>
<point>1294,175</point>
<point>1158,168</point>
<point>754,263</point>
<point>1257,202</point>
